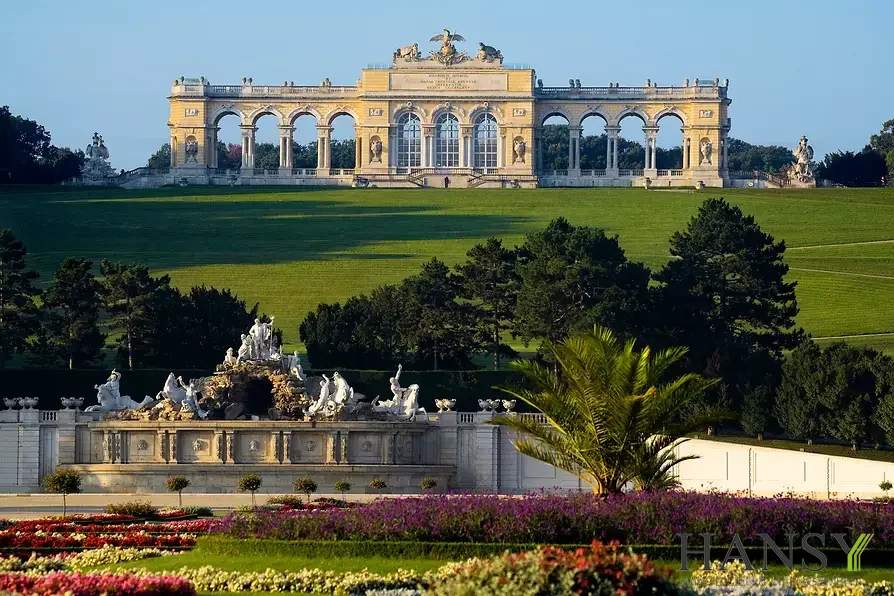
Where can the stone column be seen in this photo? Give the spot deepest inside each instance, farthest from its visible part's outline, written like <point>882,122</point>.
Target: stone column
<point>687,152</point>
<point>332,448</point>
<point>287,447</point>
<point>229,446</point>
<point>160,447</point>
<point>611,158</point>
<point>210,147</point>
<point>651,133</point>
<point>343,447</point>
<point>172,447</point>
<point>428,142</point>
<point>175,151</point>
<point>538,148</point>
<point>248,146</point>
<point>466,157</point>
<point>574,150</point>
<point>724,164</point>
<point>285,150</point>
<point>358,149</point>
<point>324,149</point>
<point>214,132</point>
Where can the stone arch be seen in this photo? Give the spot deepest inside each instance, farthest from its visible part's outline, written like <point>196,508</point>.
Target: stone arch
<point>257,114</point>
<point>442,109</point>
<point>593,113</point>
<point>302,111</point>
<point>560,113</point>
<point>670,140</point>
<point>670,111</point>
<point>477,111</point>
<point>409,108</point>
<point>593,126</point>
<point>220,113</point>
<point>340,111</point>
<point>631,111</point>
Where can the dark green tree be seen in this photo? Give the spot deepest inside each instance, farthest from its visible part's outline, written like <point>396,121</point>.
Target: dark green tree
<point>128,292</point>
<point>572,277</point>
<point>341,153</point>
<point>63,482</point>
<point>27,156</point>
<point>745,157</point>
<point>304,156</point>
<point>866,168</point>
<point>838,392</point>
<point>213,320</point>
<point>229,156</point>
<point>18,310</point>
<point>724,292</point>
<point>72,307</point>
<point>161,159</point>
<point>883,143</point>
<point>488,278</point>
<point>438,328</point>
<point>267,156</point>
<point>756,410</point>
<point>554,142</point>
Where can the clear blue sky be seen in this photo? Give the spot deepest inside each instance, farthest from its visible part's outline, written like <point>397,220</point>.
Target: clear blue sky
<point>822,68</point>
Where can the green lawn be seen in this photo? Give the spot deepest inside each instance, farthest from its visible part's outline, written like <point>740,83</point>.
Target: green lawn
<point>291,249</point>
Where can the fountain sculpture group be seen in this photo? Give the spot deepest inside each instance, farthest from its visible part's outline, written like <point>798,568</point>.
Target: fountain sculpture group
<point>294,395</point>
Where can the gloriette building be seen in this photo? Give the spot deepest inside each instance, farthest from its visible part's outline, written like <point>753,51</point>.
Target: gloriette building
<point>450,113</point>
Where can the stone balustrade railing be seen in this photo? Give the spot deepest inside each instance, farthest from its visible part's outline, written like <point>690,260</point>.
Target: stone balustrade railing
<point>271,91</point>
<point>642,93</point>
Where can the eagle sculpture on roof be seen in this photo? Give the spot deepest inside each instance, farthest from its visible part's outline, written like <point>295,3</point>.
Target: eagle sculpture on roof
<point>447,37</point>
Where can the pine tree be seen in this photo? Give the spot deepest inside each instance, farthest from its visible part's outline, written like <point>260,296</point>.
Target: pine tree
<point>72,307</point>
<point>128,292</point>
<point>724,294</point>
<point>18,311</point>
<point>488,278</point>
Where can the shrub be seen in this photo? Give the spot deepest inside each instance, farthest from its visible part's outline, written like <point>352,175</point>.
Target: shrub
<point>139,509</point>
<point>885,486</point>
<point>59,582</point>
<point>377,484</point>
<point>428,483</point>
<point>250,483</point>
<point>287,501</point>
<point>200,511</point>
<point>176,484</point>
<point>598,569</point>
<point>63,482</point>
<point>343,486</point>
<point>307,486</point>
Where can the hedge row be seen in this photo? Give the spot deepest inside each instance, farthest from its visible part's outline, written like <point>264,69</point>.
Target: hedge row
<point>456,551</point>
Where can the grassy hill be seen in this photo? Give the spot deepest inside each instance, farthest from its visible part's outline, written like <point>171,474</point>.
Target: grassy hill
<point>291,249</point>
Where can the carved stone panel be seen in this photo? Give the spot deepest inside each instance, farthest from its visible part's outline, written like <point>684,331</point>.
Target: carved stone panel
<point>365,448</point>
<point>252,447</point>
<point>141,446</point>
<point>307,448</point>
<point>195,446</point>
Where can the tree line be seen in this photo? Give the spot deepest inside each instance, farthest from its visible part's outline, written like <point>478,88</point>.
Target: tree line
<point>149,322</point>
<point>27,155</point>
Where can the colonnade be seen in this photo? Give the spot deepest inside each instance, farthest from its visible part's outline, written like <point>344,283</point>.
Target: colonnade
<point>286,134</point>
<point>650,146</point>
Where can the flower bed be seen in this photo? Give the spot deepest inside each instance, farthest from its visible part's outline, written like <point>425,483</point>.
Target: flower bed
<point>636,518</point>
<point>734,578</point>
<point>11,540</point>
<point>84,584</point>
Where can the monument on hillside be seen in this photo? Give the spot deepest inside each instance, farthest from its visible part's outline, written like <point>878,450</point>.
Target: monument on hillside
<point>800,172</point>
<point>96,168</point>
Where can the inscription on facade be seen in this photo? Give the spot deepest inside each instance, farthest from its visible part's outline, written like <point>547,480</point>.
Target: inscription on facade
<point>192,111</point>
<point>448,81</point>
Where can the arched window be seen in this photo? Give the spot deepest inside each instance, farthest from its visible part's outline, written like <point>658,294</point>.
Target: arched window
<point>409,141</point>
<point>485,139</point>
<point>447,150</point>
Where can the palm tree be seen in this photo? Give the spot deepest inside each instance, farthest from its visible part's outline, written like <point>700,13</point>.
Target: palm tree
<point>609,417</point>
